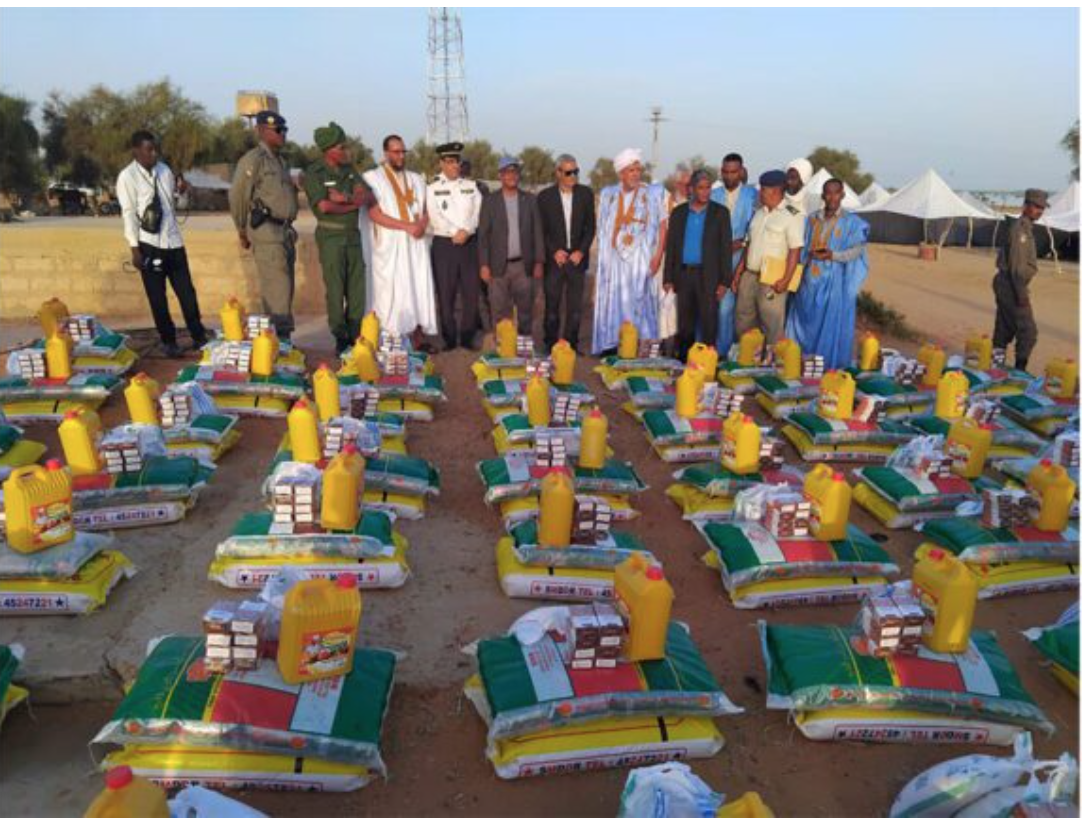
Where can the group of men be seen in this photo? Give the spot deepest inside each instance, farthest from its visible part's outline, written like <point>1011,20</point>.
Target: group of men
<point>431,259</point>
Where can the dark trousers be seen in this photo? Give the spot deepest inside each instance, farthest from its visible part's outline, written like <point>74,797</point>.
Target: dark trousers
<point>567,281</point>
<point>696,308</point>
<point>174,269</point>
<point>512,293</point>
<point>1013,321</point>
<point>342,265</point>
<point>456,274</point>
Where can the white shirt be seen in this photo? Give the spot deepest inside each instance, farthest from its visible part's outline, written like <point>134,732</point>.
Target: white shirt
<point>453,205</point>
<point>135,191</point>
<point>773,233</point>
<point>567,199</point>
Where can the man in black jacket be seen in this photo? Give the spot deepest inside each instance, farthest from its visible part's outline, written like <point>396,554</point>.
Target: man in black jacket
<point>698,263</point>
<point>567,216</point>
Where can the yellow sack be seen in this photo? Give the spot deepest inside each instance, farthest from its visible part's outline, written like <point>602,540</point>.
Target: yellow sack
<point>813,452</point>
<point>550,583</point>
<point>699,506</point>
<point>696,453</point>
<point>203,451</point>
<point>616,378</point>
<point>23,453</point>
<point>45,410</point>
<point>888,726</point>
<point>119,364</point>
<point>82,593</point>
<point>256,406</point>
<point>14,696</point>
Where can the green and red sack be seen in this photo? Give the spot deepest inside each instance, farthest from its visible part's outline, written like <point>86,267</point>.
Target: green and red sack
<point>514,476</point>
<point>414,386</point>
<point>665,428</point>
<point>613,549</point>
<point>1009,440</point>
<point>974,543</point>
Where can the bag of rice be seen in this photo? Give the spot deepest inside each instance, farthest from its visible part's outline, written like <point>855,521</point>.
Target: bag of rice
<point>611,550</point>
<point>1059,644</point>
<point>79,594</point>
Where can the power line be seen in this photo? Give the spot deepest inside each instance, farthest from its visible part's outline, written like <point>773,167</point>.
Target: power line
<point>656,119</point>
<point>447,114</point>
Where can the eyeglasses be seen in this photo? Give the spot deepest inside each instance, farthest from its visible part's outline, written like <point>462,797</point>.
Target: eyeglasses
<point>280,129</point>
<point>570,172</point>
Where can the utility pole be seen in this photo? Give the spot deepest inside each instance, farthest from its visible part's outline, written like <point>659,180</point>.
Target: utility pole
<point>447,116</point>
<point>656,119</point>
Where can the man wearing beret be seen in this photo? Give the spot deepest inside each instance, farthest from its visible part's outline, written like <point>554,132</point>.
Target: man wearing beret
<point>336,192</point>
<point>263,204</point>
<point>1016,265</point>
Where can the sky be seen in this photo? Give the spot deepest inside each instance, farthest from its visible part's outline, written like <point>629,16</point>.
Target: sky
<point>981,95</point>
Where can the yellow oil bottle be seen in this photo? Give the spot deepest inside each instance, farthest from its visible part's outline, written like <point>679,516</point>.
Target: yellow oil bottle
<point>837,392</point>
<point>264,353</point>
<point>645,599</point>
<point>370,329</point>
<point>628,346</point>
<point>233,320</point>
<point>594,440</point>
<point>869,353</point>
<point>952,395</point>
<point>325,389</point>
<point>948,592</point>
<point>1061,378</point>
<point>563,363</point>
<point>318,635</point>
<point>365,362</point>
<point>128,796</point>
<point>750,347</point>
<point>741,441</point>
<point>343,489</point>
<point>787,357</point>
<point>749,805</point>
<point>58,348</point>
<point>706,358</point>
<point>968,444</point>
<point>303,424</point>
<point>935,361</point>
<point>830,498</point>
<point>688,387</point>
<point>506,338</point>
<point>538,403</point>
<point>79,433</point>
<point>141,396</point>
<point>978,352</point>
<point>557,509</point>
<point>37,507</point>
<point>1055,490</point>
<point>51,316</point>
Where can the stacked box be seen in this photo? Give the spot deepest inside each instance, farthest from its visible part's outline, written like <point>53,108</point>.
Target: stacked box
<point>338,432</point>
<point>363,402</point>
<point>596,639</point>
<point>233,355</point>
<point>892,623</point>
<point>120,452</point>
<point>724,402</point>
<point>651,349</point>
<point>30,363</point>
<point>788,516</point>
<point>983,411</point>
<point>257,324</point>
<point>1007,508</point>
<point>869,408</point>
<point>770,454</point>
<point>524,346</point>
<point>234,635</point>
<point>539,367</point>
<point>393,357</point>
<point>296,501</point>
<point>81,328</point>
<point>550,450</point>
<point>813,367</point>
<point>910,372</point>
<point>1065,450</point>
<point>176,408</point>
<point>592,520</point>
<point>934,464</point>
<point>390,342</point>
<point>565,408</point>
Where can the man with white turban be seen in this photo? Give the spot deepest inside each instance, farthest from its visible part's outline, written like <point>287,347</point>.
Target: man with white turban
<point>631,228</point>
<point>797,174</point>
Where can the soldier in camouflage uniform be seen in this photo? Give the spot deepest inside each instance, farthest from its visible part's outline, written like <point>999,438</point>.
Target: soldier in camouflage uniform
<point>1016,265</point>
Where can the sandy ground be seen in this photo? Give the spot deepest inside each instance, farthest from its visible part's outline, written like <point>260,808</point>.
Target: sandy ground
<point>433,742</point>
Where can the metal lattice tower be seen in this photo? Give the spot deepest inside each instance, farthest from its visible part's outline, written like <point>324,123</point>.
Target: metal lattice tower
<point>447,116</point>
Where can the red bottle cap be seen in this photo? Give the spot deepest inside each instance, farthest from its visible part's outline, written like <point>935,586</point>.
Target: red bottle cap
<point>118,777</point>
<point>54,464</point>
<point>596,413</point>
<point>347,580</point>
<point>142,376</point>
<point>936,554</point>
<point>323,366</point>
<point>71,414</point>
<point>1046,461</point>
<point>838,476</point>
<point>654,573</point>
<point>350,449</point>
<point>301,404</point>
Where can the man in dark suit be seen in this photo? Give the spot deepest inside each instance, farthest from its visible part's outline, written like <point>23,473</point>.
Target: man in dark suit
<point>698,263</point>
<point>567,215</point>
<point>511,247</point>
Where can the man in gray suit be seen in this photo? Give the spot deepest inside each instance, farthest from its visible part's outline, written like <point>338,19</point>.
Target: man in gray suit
<point>511,247</point>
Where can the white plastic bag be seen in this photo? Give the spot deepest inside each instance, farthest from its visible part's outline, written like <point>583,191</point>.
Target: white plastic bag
<point>199,802</point>
<point>909,455</point>
<point>750,504</point>
<point>1060,787</point>
<point>669,790</point>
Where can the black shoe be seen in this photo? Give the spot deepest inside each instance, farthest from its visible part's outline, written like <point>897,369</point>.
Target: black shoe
<point>199,343</point>
<point>341,346</point>
<point>172,350</point>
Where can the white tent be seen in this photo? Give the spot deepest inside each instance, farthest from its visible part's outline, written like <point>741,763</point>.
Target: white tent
<point>927,198</point>
<point>813,198</point>
<point>981,206</point>
<point>873,194</point>
<point>1063,210</point>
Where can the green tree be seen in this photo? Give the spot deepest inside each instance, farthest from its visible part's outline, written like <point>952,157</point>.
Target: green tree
<point>698,162</point>
<point>1069,144</point>
<point>843,164</point>
<point>363,158</point>
<point>20,170</point>
<point>422,158</point>
<point>483,159</point>
<point>538,166</point>
<point>229,140</point>
<point>603,174</point>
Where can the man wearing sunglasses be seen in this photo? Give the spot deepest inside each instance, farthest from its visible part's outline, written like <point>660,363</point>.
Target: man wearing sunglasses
<point>568,224</point>
<point>263,204</point>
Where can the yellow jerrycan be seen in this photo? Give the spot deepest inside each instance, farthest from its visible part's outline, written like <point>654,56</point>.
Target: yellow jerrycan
<point>645,599</point>
<point>79,433</point>
<point>948,592</point>
<point>343,489</point>
<point>538,403</point>
<point>506,339</point>
<point>837,392</point>
<point>557,508</point>
<point>869,353</point>
<point>264,353</point>
<point>318,634</point>
<point>830,498</point>
<point>787,357</point>
<point>706,358</point>
<point>141,395</point>
<point>750,347</point>
<point>303,425</point>
<point>1061,378</point>
<point>688,387</point>
<point>628,346</point>
<point>952,395</point>
<point>51,316</point>
<point>233,320</point>
<point>325,389</point>
<point>978,352</point>
<point>370,329</point>
<point>37,507</point>
<point>594,440</point>
<point>968,444</point>
<point>128,796</point>
<point>741,442</point>
<point>563,363</point>
<point>1056,490</point>
<point>58,348</point>
<point>749,805</point>
<point>935,361</point>
<point>365,362</point>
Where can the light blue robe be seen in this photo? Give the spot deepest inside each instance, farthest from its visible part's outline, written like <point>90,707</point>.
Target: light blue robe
<point>740,220</point>
<point>823,312</point>
<point>625,288</point>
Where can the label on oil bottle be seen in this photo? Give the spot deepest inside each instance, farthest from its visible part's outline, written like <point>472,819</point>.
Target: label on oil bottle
<point>323,653</point>
<point>51,522</point>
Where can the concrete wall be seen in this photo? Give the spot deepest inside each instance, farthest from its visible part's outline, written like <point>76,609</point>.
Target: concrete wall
<point>87,264</point>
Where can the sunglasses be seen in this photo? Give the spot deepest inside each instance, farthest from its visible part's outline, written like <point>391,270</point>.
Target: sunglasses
<point>570,172</point>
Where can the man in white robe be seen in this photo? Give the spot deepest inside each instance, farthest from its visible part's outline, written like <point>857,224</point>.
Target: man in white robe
<point>401,291</point>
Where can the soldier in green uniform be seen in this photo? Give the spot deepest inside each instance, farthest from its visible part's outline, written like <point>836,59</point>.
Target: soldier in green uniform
<point>263,203</point>
<point>335,192</point>
<point>1016,265</point>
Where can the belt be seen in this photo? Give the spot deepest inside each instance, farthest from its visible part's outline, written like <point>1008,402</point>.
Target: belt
<point>515,260</point>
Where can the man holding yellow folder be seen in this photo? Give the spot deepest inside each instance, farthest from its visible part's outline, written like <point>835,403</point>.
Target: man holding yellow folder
<point>771,269</point>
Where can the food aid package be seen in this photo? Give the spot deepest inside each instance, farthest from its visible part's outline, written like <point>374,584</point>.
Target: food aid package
<point>668,790</point>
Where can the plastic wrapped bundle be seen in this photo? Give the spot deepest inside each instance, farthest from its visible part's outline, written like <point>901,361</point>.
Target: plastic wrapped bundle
<point>83,592</point>
<point>96,350</point>
<point>1009,440</point>
<point>45,399</point>
<point>1039,413</point>
<point>817,438</point>
<point>615,371</point>
<point>1059,644</point>
<point>518,476</point>
<point>244,393</point>
<point>779,397</point>
<point>707,492</point>
<point>901,498</point>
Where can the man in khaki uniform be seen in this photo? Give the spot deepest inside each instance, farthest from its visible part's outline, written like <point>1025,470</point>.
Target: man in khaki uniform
<point>776,231</point>
<point>263,202</point>
<point>1016,265</point>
